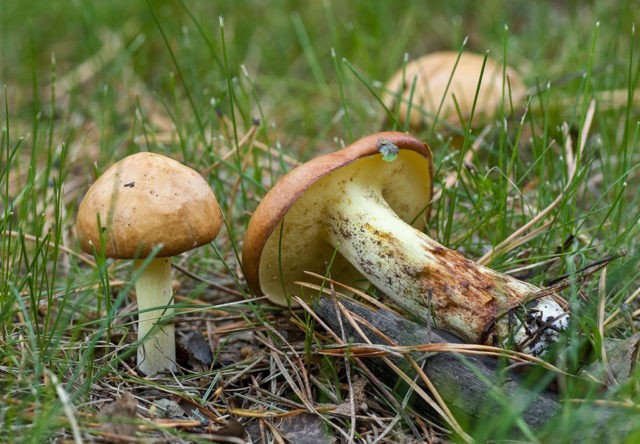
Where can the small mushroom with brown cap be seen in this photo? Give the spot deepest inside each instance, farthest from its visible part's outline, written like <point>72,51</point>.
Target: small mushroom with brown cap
<point>148,203</point>
<point>369,202</point>
<point>445,85</point>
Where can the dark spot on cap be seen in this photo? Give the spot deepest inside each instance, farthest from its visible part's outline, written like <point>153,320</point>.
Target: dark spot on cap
<point>129,185</point>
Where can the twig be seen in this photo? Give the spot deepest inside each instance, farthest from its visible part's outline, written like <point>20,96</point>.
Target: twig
<point>587,271</point>
<point>372,377</point>
<point>599,264</point>
<point>437,403</point>
<point>464,384</point>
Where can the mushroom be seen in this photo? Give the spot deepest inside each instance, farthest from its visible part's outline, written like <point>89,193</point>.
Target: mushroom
<point>447,83</point>
<point>149,205</point>
<point>369,203</point>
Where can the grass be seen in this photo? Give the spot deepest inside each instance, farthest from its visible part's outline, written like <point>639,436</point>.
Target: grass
<point>243,100</point>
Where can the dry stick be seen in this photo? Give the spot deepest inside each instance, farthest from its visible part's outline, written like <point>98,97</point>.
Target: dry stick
<point>458,384</point>
<point>438,408</point>
<point>438,404</point>
<point>506,245</point>
<point>371,375</point>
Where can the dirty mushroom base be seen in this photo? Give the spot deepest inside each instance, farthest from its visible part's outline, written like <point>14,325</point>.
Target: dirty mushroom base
<point>363,210</point>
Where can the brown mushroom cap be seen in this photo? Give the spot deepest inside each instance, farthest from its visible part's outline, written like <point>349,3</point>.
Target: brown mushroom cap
<point>433,78</point>
<point>145,200</point>
<point>286,235</point>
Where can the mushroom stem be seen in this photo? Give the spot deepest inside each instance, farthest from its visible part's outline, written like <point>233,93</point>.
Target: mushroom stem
<point>425,278</point>
<point>157,350</point>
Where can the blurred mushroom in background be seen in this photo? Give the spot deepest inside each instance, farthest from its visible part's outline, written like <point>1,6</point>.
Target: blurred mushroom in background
<point>440,88</point>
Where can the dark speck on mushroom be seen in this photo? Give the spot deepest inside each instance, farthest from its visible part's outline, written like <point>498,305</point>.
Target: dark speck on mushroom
<point>129,185</point>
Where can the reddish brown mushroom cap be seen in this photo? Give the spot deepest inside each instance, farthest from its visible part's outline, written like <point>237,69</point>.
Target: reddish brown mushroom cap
<point>272,249</point>
<point>145,200</point>
<point>356,213</point>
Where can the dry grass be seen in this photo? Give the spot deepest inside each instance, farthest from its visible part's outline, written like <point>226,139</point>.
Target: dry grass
<point>547,197</point>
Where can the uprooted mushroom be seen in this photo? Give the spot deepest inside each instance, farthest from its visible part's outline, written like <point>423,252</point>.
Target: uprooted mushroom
<point>369,203</point>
